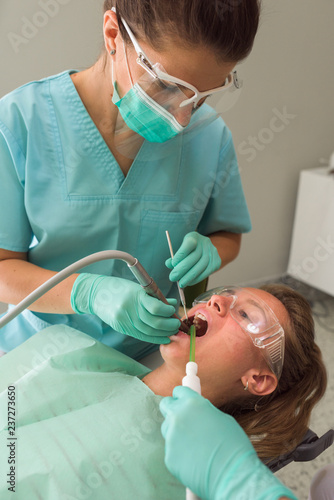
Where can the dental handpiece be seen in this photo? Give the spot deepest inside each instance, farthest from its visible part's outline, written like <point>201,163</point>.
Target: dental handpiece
<point>151,288</point>
<point>147,283</point>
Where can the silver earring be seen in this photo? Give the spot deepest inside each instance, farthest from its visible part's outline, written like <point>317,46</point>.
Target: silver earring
<point>113,52</point>
<point>246,388</point>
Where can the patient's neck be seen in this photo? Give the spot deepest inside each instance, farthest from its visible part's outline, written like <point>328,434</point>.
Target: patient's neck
<point>163,379</point>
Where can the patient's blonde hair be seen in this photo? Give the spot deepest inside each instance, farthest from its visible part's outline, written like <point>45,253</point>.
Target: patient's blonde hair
<point>278,422</point>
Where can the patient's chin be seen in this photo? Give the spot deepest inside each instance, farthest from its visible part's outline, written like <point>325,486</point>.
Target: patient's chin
<point>177,349</point>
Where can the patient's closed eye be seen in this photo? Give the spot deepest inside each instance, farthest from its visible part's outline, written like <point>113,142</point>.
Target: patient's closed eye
<point>243,314</point>
<point>249,316</point>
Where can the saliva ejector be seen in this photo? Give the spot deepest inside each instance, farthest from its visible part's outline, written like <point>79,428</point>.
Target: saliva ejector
<point>192,381</point>
<point>147,283</point>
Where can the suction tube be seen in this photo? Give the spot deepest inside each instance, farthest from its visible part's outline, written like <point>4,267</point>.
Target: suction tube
<point>192,381</point>
<point>147,283</point>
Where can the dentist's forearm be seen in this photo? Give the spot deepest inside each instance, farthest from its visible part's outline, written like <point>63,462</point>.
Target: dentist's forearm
<point>227,244</point>
<point>18,278</point>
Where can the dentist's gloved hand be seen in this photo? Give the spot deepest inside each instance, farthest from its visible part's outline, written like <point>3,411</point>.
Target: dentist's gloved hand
<point>124,306</point>
<point>194,261</point>
<point>209,452</point>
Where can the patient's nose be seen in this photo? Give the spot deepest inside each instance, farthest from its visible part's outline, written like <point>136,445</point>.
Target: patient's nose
<point>220,304</point>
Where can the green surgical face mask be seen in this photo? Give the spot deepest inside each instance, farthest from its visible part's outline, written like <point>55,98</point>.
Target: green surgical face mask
<point>145,116</point>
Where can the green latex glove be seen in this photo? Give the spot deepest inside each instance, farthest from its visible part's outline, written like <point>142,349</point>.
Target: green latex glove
<point>209,452</point>
<point>194,261</point>
<point>124,306</point>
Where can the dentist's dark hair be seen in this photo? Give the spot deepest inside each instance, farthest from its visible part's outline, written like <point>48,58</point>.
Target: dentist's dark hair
<point>227,26</point>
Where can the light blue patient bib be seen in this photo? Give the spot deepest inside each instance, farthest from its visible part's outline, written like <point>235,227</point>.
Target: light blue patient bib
<point>86,427</point>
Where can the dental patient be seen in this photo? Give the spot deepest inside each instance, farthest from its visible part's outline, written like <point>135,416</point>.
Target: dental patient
<point>87,420</point>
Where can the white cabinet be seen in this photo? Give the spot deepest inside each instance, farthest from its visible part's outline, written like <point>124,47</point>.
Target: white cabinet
<point>312,247</point>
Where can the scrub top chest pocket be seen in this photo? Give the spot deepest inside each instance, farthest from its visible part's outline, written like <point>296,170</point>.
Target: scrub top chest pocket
<point>152,237</point>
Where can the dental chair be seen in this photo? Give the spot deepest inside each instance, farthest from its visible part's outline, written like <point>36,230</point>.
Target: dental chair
<point>309,449</point>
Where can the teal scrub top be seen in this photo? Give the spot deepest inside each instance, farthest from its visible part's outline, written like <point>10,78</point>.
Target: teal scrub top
<point>63,196</point>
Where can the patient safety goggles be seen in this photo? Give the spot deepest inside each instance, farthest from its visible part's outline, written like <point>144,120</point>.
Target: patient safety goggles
<point>257,319</point>
<point>178,97</point>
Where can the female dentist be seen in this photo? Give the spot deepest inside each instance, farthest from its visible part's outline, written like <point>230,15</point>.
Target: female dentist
<point>209,452</point>
<point>111,157</point>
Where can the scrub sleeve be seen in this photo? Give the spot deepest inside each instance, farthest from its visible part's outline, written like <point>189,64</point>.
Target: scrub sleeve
<point>63,196</point>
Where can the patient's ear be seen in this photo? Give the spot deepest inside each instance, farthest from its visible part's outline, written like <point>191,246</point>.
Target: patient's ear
<point>260,383</point>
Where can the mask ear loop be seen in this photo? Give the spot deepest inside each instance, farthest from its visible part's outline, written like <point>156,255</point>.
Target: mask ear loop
<point>112,74</point>
<point>127,63</point>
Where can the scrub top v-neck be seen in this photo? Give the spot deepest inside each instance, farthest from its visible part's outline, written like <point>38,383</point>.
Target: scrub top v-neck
<point>63,196</point>
<point>94,144</point>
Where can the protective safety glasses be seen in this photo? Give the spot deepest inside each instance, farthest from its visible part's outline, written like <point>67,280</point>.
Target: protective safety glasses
<point>191,97</point>
<point>257,319</point>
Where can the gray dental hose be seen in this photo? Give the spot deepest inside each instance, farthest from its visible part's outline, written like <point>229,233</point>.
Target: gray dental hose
<point>146,282</point>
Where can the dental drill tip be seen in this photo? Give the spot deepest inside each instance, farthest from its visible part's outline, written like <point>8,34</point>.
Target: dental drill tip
<point>184,327</point>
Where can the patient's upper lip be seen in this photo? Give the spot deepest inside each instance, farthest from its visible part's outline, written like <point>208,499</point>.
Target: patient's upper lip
<point>203,311</point>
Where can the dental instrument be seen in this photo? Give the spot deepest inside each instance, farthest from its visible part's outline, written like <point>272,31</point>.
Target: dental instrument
<point>146,282</point>
<point>192,381</point>
<point>181,292</point>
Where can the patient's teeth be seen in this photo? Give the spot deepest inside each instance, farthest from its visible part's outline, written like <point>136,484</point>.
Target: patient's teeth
<point>201,324</point>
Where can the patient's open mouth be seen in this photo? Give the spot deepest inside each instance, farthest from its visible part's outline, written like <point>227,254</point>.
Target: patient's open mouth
<point>200,322</point>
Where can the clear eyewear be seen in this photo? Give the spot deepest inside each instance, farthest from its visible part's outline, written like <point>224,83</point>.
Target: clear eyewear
<point>156,72</point>
<point>257,319</point>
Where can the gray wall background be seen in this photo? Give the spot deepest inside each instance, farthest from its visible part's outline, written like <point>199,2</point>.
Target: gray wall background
<point>282,120</point>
